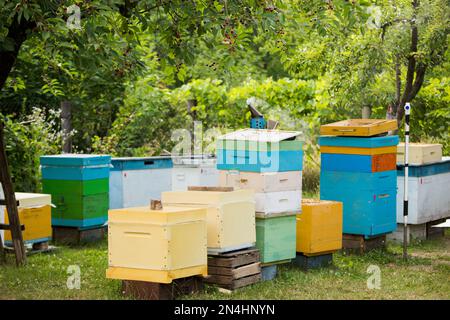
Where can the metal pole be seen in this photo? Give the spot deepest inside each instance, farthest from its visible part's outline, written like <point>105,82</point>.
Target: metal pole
<point>405,193</point>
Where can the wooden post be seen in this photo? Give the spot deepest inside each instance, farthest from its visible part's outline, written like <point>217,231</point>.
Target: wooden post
<point>2,251</point>
<point>11,204</point>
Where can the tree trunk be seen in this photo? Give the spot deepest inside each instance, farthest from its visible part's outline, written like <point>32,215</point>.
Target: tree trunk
<point>11,204</point>
<point>66,125</point>
<point>366,112</point>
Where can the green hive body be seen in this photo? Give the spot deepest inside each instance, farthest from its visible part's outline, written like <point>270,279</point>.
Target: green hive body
<point>276,238</point>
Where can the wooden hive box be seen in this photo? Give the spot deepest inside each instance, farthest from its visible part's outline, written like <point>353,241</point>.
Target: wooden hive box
<point>369,199</point>
<point>428,192</point>
<point>79,185</point>
<point>260,151</point>
<point>156,245</point>
<point>130,180</point>
<point>35,215</point>
<point>261,182</point>
<point>230,216</point>
<point>276,237</point>
<point>420,153</point>
<point>319,227</point>
<point>358,127</point>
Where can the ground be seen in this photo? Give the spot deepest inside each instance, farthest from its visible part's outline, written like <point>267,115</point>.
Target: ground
<point>426,275</point>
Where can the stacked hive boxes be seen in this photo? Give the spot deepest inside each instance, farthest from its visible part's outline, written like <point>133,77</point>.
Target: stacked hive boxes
<point>132,180</point>
<point>157,245</point>
<point>360,171</point>
<point>35,215</point>
<point>270,163</point>
<point>79,186</point>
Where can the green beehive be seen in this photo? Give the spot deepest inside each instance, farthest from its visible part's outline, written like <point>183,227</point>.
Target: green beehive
<point>276,237</point>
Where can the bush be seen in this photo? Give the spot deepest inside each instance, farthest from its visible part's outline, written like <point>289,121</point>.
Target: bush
<point>27,139</point>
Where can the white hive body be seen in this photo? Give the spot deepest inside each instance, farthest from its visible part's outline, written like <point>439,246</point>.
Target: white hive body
<point>194,172</point>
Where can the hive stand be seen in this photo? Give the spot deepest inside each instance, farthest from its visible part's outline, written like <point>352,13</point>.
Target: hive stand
<point>234,270</point>
<point>359,244</point>
<point>143,290</point>
<point>76,236</point>
<point>313,262</point>
<point>424,231</point>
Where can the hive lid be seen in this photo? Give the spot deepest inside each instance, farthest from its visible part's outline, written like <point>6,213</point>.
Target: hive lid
<point>69,160</point>
<point>28,200</point>
<point>358,127</point>
<point>169,214</point>
<point>206,197</point>
<point>261,135</point>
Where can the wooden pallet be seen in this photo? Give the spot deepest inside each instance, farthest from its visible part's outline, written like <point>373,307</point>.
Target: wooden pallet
<point>234,270</point>
<point>40,247</point>
<point>358,244</point>
<point>69,235</point>
<point>142,290</point>
<point>313,262</point>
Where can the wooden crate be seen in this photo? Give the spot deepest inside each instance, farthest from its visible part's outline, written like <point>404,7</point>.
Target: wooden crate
<point>358,127</point>
<point>156,245</point>
<point>420,153</point>
<point>76,236</point>
<point>234,270</point>
<point>358,244</point>
<point>230,215</point>
<point>313,262</point>
<point>143,290</point>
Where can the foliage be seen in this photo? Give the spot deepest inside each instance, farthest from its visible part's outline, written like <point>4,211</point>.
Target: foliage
<point>28,138</point>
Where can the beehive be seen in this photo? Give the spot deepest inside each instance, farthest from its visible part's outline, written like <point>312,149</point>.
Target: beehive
<point>428,195</point>
<point>134,181</point>
<point>79,185</point>
<point>358,171</point>
<point>420,153</point>
<point>276,237</point>
<point>230,216</point>
<point>260,151</point>
<point>358,127</point>
<point>196,171</point>
<point>319,227</point>
<point>35,215</point>
<point>157,245</point>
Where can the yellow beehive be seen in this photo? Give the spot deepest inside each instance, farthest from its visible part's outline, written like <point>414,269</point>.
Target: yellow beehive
<point>420,153</point>
<point>319,227</point>
<point>156,245</point>
<point>35,214</point>
<point>230,218</point>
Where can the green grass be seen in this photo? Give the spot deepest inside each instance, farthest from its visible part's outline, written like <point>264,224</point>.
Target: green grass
<point>425,275</point>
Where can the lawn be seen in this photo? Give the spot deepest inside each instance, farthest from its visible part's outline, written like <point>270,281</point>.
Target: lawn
<point>426,275</point>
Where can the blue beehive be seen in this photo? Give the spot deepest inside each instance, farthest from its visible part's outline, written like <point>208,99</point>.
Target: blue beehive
<point>367,189</point>
<point>260,151</point>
